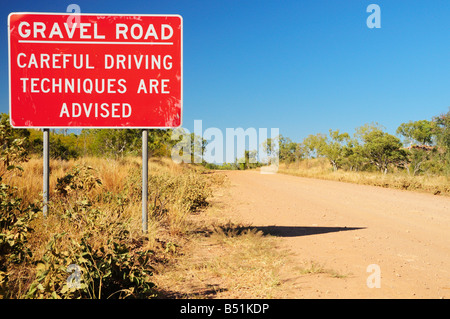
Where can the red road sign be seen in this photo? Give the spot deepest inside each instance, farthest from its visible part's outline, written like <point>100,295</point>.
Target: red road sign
<point>95,70</point>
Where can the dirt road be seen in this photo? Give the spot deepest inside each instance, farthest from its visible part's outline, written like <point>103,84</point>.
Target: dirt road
<point>344,228</point>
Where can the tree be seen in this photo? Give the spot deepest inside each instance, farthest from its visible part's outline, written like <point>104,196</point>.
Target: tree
<point>114,142</point>
<point>159,142</point>
<point>198,146</point>
<point>271,148</point>
<point>380,148</point>
<point>288,151</point>
<point>187,147</point>
<point>64,147</point>
<point>249,160</point>
<point>441,129</point>
<point>354,158</point>
<point>334,149</point>
<point>418,157</point>
<point>12,149</point>
<point>312,144</point>
<point>418,131</point>
<point>421,132</point>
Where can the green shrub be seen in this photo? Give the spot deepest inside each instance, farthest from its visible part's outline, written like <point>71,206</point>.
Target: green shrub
<point>14,232</point>
<point>96,245</point>
<point>114,270</point>
<point>80,179</point>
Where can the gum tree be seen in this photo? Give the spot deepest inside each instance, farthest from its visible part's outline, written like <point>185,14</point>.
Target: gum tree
<point>335,148</point>
<point>420,132</point>
<point>380,148</point>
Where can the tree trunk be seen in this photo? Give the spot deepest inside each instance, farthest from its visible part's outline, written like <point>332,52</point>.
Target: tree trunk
<point>335,168</point>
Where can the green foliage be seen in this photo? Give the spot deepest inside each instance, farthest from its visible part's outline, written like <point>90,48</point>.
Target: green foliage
<point>417,158</point>
<point>270,148</point>
<point>115,270</point>
<point>91,229</point>
<point>12,150</point>
<point>282,149</point>
<point>14,231</point>
<point>35,142</point>
<point>116,267</point>
<point>354,159</point>
<point>381,149</point>
<point>432,155</point>
<point>113,143</point>
<point>187,147</point>
<point>371,148</point>
<point>117,143</point>
<point>160,143</point>
<point>334,149</point>
<point>64,147</point>
<point>441,130</point>
<point>313,144</point>
<point>418,131</point>
<point>248,161</point>
<point>289,151</point>
<point>15,217</point>
<point>80,178</point>
<point>223,166</point>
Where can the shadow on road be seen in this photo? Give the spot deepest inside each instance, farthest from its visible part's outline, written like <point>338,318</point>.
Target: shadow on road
<point>297,231</point>
<point>278,231</point>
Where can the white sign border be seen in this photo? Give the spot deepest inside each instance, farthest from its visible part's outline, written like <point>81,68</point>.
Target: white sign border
<point>97,14</point>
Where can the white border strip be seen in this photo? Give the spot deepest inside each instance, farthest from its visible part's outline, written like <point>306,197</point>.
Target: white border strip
<point>94,42</point>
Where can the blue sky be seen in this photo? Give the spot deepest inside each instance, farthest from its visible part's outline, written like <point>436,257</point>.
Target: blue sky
<point>302,66</point>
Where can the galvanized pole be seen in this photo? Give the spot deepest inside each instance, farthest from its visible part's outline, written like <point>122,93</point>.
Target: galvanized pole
<point>46,164</point>
<point>144,180</point>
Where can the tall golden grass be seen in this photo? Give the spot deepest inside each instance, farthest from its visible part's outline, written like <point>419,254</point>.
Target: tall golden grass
<point>175,192</point>
<point>321,169</point>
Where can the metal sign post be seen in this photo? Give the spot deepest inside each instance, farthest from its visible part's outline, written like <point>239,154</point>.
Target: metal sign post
<point>144,181</point>
<point>46,174</point>
<point>110,71</point>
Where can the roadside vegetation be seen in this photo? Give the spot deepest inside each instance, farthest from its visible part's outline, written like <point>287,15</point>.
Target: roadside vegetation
<point>94,224</point>
<point>91,245</point>
<point>418,158</point>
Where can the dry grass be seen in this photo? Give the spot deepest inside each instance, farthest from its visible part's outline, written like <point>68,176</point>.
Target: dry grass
<point>313,267</point>
<point>321,169</point>
<point>174,193</point>
<point>229,262</point>
<point>196,254</point>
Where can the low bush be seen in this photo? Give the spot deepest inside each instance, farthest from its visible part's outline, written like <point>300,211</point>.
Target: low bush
<point>91,244</point>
